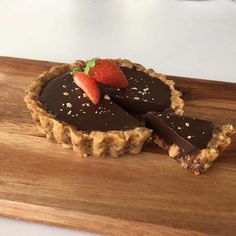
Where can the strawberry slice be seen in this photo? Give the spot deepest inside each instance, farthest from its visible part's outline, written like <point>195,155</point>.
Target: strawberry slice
<point>88,85</point>
<point>106,72</point>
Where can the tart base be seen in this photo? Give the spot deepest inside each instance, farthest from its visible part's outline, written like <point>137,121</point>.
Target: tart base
<point>95,143</point>
<point>200,161</point>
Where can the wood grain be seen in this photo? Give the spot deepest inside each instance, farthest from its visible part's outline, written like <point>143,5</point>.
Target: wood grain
<point>147,194</point>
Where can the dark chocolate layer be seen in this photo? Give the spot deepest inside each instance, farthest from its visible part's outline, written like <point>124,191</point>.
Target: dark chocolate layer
<point>188,133</point>
<point>69,104</point>
<point>144,93</point>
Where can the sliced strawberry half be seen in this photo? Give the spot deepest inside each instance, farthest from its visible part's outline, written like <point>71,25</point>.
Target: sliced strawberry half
<point>106,72</point>
<point>88,85</point>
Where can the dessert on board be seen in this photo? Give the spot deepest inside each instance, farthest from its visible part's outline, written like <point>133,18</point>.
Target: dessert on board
<point>107,107</point>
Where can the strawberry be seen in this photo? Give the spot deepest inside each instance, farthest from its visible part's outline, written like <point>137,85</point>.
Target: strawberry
<point>106,72</point>
<point>88,85</point>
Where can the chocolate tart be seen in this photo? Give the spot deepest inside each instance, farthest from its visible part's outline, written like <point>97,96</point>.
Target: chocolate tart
<point>63,112</point>
<point>195,143</point>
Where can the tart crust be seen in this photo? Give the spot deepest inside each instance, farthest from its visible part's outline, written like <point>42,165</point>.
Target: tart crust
<point>95,143</point>
<point>200,161</point>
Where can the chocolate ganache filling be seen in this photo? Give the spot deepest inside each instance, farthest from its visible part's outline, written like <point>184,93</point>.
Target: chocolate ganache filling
<point>68,103</point>
<point>145,93</point>
<point>189,134</point>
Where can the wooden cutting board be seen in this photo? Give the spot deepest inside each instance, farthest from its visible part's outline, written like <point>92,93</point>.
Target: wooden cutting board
<point>146,194</point>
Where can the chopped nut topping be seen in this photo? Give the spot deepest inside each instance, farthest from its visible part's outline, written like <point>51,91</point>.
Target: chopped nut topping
<point>79,97</point>
<point>107,97</point>
<point>134,88</point>
<point>76,88</point>
<point>189,137</point>
<point>84,95</point>
<point>178,127</point>
<point>87,104</point>
<point>68,104</point>
<point>65,94</point>
<point>145,89</point>
<point>136,98</point>
<point>61,109</point>
<point>69,112</point>
<point>187,124</point>
<point>63,104</point>
<point>64,86</point>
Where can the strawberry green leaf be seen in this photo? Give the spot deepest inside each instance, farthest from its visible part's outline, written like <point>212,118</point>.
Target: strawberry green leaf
<point>89,65</point>
<point>75,69</point>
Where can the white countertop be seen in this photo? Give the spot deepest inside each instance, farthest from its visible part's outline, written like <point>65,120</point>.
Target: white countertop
<point>188,38</point>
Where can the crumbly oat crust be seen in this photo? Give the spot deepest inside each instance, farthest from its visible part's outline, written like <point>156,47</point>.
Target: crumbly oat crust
<point>98,144</point>
<point>95,143</point>
<point>200,161</point>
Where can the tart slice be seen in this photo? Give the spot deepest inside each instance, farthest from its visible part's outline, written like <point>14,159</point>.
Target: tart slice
<point>195,143</point>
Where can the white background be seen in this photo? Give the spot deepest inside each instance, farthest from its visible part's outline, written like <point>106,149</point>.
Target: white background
<point>188,38</point>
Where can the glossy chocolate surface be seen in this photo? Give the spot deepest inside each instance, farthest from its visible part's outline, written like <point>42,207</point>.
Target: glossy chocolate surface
<point>188,133</point>
<point>144,93</point>
<point>69,104</point>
